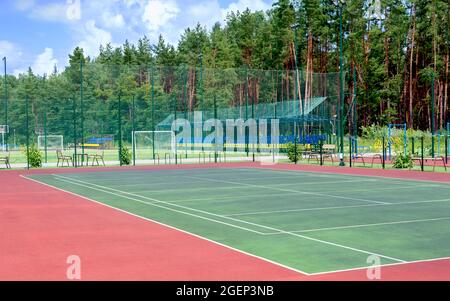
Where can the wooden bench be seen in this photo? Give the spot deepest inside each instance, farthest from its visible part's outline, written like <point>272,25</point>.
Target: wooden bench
<point>435,159</point>
<point>328,151</point>
<point>4,158</point>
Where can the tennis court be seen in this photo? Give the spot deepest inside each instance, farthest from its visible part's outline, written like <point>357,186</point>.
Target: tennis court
<point>306,221</point>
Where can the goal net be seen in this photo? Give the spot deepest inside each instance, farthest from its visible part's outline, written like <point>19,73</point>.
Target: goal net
<point>51,142</point>
<point>148,143</point>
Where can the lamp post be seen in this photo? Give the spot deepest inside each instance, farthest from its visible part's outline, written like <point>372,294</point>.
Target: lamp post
<point>341,86</point>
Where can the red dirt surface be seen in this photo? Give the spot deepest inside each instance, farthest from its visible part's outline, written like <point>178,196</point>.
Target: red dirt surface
<point>42,226</point>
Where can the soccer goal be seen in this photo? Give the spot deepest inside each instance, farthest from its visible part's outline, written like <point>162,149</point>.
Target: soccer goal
<point>146,144</point>
<point>51,142</point>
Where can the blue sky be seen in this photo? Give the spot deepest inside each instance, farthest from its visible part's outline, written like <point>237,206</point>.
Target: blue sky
<point>41,33</point>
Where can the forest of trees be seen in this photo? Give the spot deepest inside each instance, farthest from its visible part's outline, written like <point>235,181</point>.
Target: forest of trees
<point>395,55</point>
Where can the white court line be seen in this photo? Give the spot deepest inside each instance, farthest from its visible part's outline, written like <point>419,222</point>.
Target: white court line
<point>155,203</point>
<point>381,266</point>
<point>368,225</point>
<point>171,227</point>
<point>184,189</point>
<point>337,207</point>
<point>291,190</point>
<point>69,180</point>
<point>444,184</point>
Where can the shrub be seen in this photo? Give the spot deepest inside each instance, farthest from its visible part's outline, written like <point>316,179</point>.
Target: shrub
<point>34,156</point>
<point>403,161</point>
<point>293,153</point>
<point>125,156</point>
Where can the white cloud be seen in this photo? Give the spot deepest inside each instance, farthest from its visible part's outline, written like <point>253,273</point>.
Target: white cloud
<point>57,12</point>
<point>45,62</point>
<point>158,13</point>
<point>10,50</point>
<point>93,38</point>
<point>242,5</point>
<point>206,13</point>
<point>24,4</point>
<point>73,10</point>
<point>113,21</point>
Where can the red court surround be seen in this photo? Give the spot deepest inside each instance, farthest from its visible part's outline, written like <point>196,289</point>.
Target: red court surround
<point>41,227</point>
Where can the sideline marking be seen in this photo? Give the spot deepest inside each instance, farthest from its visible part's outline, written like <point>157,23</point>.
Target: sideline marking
<point>337,207</point>
<point>368,225</point>
<point>171,227</point>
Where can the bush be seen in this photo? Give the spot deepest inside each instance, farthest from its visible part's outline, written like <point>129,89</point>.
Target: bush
<point>403,161</point>
<point>293,153</point>
<point>34,157</point>
<point>125,156</point>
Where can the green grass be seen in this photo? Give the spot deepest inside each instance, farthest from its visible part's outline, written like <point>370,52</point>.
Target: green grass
<point>312,222</point>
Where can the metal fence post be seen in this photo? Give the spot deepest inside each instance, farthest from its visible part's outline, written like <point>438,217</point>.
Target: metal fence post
<point>422,154</point>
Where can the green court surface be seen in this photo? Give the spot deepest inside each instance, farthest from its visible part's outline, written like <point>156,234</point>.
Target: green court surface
<point>310,222</point>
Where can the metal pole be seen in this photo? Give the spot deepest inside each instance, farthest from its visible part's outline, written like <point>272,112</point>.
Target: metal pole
<point>153,111</point>
<point>215,117</point>
<point>246,109</point>
<point>6,103</point>
<point>341,89</point>
<point>433,130</point>
<point>351,150</point>
<point>389,141</point>
<point>295,27</point>
<point>201,94</point>
<point>28,131</point>
<point>446,149</point>
<point>74,108</point>
<point>119,126</point>
<point>82,110</point>
<point>175,120</point>
<point>253,117</point>
<point>185,102</point>
<point>133,130</point>
<point>422,154</point>
<point>45,133</point>
<point>355,110</point>
<point>383,157</point>
<point>295,143</point>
